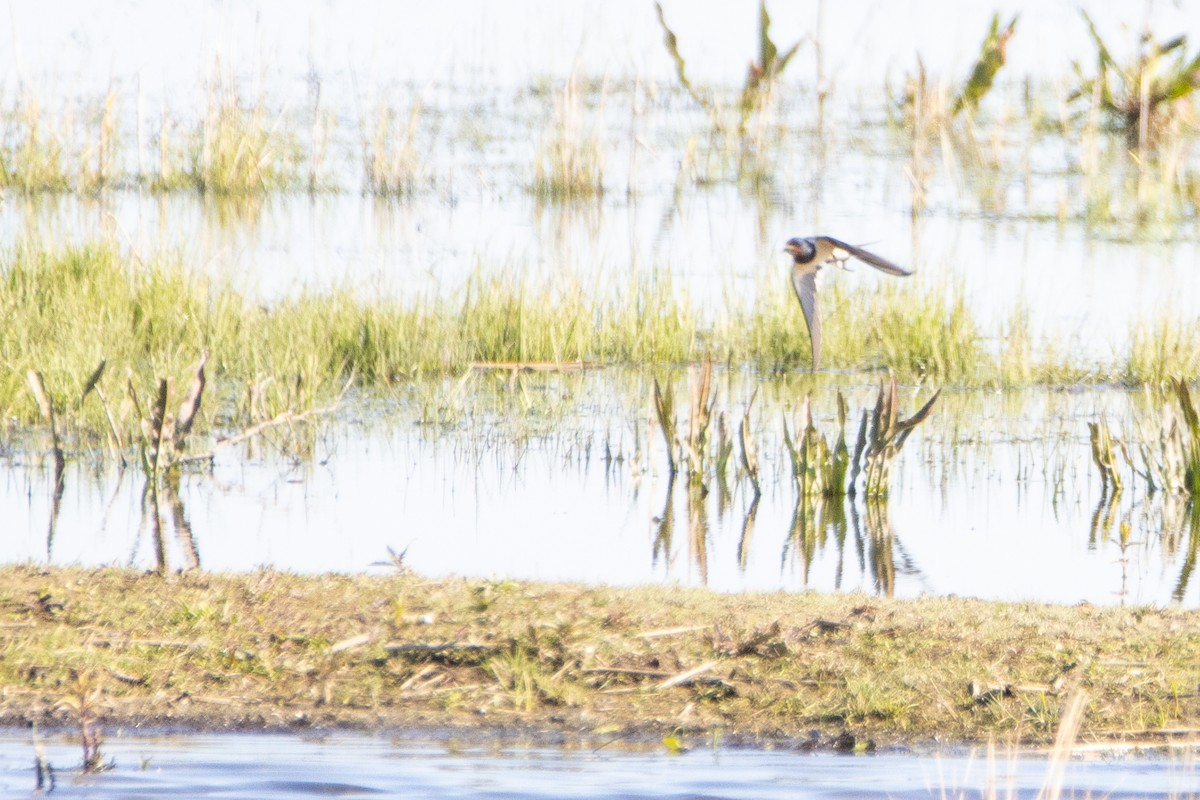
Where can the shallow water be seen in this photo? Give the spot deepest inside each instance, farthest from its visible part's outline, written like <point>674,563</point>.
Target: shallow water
<point>563,478</point>
<point>268,766</point>
<point>991,496</point>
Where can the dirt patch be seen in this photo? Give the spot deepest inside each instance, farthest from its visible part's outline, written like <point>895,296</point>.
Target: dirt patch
<point>271,650</point>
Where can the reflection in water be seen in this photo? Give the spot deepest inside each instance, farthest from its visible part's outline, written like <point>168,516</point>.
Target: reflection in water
<point>477,497</point>
<point>665,524</point>
<point>817,520</point>
<point>180,522</point>
<point>1189,512</point>
<point>747,537</point>
<point>881,546</point>
<point>1105,516</point>
<point>56,497</point>
<point>152,494</point>
<point>698,527</point>
<point>697,522</point>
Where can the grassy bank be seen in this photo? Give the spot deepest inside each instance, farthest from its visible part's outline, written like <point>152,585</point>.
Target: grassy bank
<point>276,650</point>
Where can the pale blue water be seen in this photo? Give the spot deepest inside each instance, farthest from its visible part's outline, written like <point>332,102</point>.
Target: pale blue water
<point>258,767</point>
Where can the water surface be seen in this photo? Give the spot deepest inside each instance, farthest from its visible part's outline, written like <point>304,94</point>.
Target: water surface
<point>270,766</point>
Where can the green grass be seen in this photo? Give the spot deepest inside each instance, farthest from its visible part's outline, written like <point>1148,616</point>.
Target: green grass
<point>67,309</point>
<point>393,162</point>
<point>576,660</point>
<point>243,147</point>
<point>34,156</point>
<point>916,333</point>
<point>570,165</point>
<point>1161,349</point>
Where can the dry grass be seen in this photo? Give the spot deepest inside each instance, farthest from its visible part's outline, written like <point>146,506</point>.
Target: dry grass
<point>276,650</point>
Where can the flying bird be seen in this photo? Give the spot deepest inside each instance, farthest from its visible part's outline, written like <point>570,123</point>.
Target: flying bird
<point>810,255</point>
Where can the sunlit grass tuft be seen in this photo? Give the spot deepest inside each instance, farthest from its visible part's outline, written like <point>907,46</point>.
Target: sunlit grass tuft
<point>1163,348</point>
<point>68,309</point>
<point>98,160</point>
<point>915,332</point>
<point>393,164</point>
<point>243,147</point>
<point>570,165</point>
<point>34,155</point>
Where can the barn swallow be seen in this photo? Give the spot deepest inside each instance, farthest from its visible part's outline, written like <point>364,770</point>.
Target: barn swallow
<point>813,253</point>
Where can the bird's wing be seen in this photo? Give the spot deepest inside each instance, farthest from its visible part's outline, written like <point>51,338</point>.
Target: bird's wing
<point>866,256</point>
<point>804,281</point>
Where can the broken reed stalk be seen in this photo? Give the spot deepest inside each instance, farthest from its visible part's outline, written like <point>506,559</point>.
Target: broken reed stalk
<point>701,399</point>
<point>38,386</point>
<point>92,384</point>
<point>724,448</point>
<point>1105,456</point>
<point>664,412</point>
<point>749,451</point>
<point>1189,450</point>
<point>881,441</point>
<point>821,471</point>
<point>809,454</point>
<point>1170,454</point>
<point>164,434</point>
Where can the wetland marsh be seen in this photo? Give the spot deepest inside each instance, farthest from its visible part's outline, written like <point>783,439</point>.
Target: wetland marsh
<point>458,315</point>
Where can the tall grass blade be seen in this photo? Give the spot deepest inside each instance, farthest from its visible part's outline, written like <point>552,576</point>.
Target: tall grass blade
<point>92,380</point>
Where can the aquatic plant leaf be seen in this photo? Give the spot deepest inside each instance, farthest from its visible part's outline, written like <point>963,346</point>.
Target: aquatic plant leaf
<point>767,51</point>
<point>672,43</point>
<point>191,403</point>
<point>919,416</point>
<point>1190,452</point>
<point>702,400</point>
<point>92,380</point>
<point>790,445</point>
<point>1185,79</point>
<point>1104,456</point>
<point>1103,54</point>
<point>782,61</point>
<point>992,56</point>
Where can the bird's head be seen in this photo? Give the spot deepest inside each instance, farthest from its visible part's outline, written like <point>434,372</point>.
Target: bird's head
<point>802,250</point>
